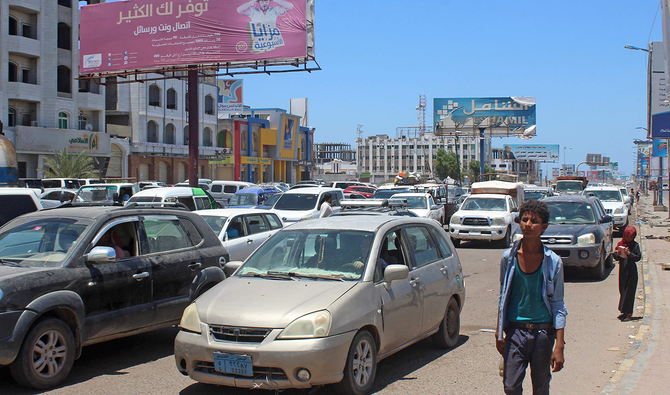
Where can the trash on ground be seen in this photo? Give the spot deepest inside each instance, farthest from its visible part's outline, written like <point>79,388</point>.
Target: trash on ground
<point>614,349</point>
<point>666,266</point>
<point>631,336</point>
<point>488,330</point>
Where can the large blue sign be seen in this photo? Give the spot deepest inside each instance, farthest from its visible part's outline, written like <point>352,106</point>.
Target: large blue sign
<point>660,148</point>
<point>511,112</point>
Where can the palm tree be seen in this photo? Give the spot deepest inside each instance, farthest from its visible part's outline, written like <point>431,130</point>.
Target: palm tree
<point>65,165</point>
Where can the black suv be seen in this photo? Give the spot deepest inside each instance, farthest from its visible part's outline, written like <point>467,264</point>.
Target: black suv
<point>70,277</point>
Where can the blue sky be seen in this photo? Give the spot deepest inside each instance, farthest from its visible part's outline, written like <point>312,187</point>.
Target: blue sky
<point>379,56</point>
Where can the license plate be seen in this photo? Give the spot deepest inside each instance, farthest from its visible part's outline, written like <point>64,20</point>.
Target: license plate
<point>475,232</point>
<point>233,364</point>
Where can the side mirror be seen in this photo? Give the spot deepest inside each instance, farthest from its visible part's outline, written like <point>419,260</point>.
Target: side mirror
<point>395,272</point>
<point>231,267</point>
<point>434,207</point>
<point>514,210</point>
<point>100,255</point>
<point>605,219</point>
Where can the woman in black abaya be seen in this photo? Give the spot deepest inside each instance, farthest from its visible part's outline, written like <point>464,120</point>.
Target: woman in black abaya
<point>627,253</point>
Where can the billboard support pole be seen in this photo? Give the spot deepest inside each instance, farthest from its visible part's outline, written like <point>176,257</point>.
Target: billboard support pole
<point>193,126</point>
<point>481,150</point>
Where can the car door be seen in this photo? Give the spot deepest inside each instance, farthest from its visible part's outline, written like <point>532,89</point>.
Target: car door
<point>402,300</point>
<point>175,263</point>
<point>430,269</point>
<point>608,227</point>
<point>235,239</point>
<point>259,229</point>
<point>117,295</point>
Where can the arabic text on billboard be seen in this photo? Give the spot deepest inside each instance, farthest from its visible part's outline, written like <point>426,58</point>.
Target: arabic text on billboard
<point>515,112</point>
<point>143,34</point>
<point>660,148</point>
<point>541,152</point>
<point>229,96</point>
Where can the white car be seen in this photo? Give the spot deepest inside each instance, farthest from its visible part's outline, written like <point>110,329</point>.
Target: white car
<point>241,231</point>
<point>484,216</point>
<point>613,202</point>
<point>421,204</point>
<point>304,203</point>
<point>57,197</point>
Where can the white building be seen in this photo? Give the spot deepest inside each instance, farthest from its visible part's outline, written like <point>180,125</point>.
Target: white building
<point>44,108</point>
<point>383,157</point>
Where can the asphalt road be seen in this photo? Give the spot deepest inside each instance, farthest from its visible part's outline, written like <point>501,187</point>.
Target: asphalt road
<point>144,364</point>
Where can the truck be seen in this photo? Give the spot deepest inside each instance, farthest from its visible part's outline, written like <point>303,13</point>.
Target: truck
<point>570,185</point>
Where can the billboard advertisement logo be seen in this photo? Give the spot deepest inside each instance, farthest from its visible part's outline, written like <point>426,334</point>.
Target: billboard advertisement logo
<point>92,60</point>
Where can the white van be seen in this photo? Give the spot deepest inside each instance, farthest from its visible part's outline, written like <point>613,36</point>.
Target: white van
<point>193,198</point>
<point>304,203</point>
<point>222,191</point>
<point>17,201</point>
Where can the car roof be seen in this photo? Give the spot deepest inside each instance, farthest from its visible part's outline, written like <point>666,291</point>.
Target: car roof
<point>569,198</point>
<point>18,191</point>
<point>602,188</point>
<point>95,212</point>
<point>408,194</point>
<point>314,190</point>
<point>166,191</point>
<point>229,212</point>
<point>369,223</point>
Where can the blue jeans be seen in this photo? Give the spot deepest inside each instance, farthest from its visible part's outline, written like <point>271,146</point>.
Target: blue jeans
<point>524,346</point>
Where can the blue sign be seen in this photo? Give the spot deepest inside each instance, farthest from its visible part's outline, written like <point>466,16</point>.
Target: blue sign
<point>660,125</point>
<point>512,112</point>
<point>660,148</point>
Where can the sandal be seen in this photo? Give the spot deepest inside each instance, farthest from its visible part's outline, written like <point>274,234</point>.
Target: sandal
<point>621,316</point>
<point>627,317</point>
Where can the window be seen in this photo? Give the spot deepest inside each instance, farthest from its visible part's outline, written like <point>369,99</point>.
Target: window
<point>256,224</point>
<point>169,134</point>
<point>154,95</point>
<point>186,139</point>
<point>13,26</point>
<point>165,235</point>
<point>236,228</point>
<point>209,105</point>
<point>229,189</point>
<point>11,118</point>
<point>207,137</point>
<point>64,80</point>
<point>421,244</point>
<point>13,72</point>
<point>27,31</point>
<point>63,119</point>
<point>186,102</point>
<point>171,99</point>
<point>83,121</point>
<point>64,36</point>
<point>65,3</point>
<point>152,132</point>
<point>274,221</point>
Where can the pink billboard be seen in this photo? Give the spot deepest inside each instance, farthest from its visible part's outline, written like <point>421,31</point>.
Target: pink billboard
<point>592,175</point>
<point>129,35</point>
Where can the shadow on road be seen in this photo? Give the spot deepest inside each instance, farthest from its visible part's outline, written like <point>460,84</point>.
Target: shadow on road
<point>111,358</point>
<point>482,245</point>
<point>397,367</point>
<point>580,275</point>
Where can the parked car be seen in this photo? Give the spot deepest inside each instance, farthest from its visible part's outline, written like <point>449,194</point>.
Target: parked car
<point>580,232</point>
<point>193,198</point>
<point>222,191</point>
<point>422,204</point>
<point>307,309</point>
<point>74,277</point>
<point>482,216</point>
<point>241,230</point>
<point>105,193</point>
<point>15,202</point>
<point>387,193</point>
<point>251,197</point>
<point>535,192</point>
<point>362,190</point>
<point>56,197</point>
<point>304,203</point>
<point>60,183</point>
<point>614,204</point>
<point>345,184</point>
<point>373,207</point>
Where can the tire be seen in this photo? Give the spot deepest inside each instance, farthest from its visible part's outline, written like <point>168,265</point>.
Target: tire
<point>506,241</point>
<point>450,327</point>
<point>609,262</point>
<point>361,367</point>
<point>456,242</point>
<point>598,272</point>
<point>46,355</point>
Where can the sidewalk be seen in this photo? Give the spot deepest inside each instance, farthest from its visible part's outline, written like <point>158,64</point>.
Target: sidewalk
<point>646,369</point>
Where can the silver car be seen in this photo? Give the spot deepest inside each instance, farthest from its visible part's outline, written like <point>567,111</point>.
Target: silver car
<point>322,302</point>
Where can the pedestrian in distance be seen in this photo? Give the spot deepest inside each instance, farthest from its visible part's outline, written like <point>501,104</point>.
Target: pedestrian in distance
<point>531,310</point>
<point>326,210</point>
<point>627,253</point>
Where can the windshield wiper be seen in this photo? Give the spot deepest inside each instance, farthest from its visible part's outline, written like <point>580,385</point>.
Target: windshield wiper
<point>10,263</point>
<point>269,274</point>
<point>320,276</point>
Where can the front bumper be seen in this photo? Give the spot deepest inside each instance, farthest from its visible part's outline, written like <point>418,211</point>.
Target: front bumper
<point>464,232</point>
<point>572,255</point>
<point>275,362</point>
<point>13,327</point>
<point>619,220</point>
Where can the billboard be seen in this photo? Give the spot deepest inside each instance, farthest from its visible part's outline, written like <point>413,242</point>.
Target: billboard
<point>660,109</point>
<point>539,152</point>
<point>142,34</point>
<point>499,115</point>
<point>592,175</point>
<point>660,148</point>
<point>229,96</point>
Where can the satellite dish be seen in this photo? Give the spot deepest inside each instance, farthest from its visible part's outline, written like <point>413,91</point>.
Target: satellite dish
<point>89,127</point>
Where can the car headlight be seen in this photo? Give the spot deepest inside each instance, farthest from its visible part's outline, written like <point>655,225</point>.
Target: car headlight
<point>312,325</point>
<point>588,238</point>
<point>190,320</point>
<point>498,221</point>
<point>455,219</point>
<point>516,237</point>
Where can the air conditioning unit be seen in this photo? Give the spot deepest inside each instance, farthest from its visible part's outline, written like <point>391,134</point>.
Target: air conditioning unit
<point>35,123</point>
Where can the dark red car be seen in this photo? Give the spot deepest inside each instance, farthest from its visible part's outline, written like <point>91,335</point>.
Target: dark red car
<point>365,191</point>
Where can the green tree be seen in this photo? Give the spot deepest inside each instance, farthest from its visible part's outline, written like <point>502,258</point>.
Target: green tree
<point>66,165</point>
<point>453,167</point>
<point>441,163</point>
<point>473,170</point>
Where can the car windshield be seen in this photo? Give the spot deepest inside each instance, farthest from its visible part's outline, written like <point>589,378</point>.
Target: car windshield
<point>385,194</point>
<point>412,201</point>
<point>272,200</point>
<point>215,222</point>
<point>313,253</point>
<point>243,199</point>
<point>296,201</point>
<point>40,243</point>
<point>97,194</point>
<point>534,194</point>
<point>565,186</point>
<point>606,196</point>
<point>485,204</point>
<point>570,213</point>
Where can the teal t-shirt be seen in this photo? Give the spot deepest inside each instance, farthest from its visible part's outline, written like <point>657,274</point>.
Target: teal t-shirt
<point>526,303</point>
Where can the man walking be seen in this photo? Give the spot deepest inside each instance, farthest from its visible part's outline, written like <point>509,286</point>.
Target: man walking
<point>531,311</point>
<point>326,210</point>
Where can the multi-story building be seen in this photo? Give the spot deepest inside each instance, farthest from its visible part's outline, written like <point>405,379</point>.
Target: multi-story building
<point>383,158</point>
<point>526,170</point>
<point>327,152</point>
<point>46,109</point>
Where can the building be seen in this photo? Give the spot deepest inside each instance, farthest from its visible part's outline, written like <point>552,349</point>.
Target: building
<point>526,170</point>
<point>327,152</point>
<point>45,108</point>
<point>382,158</point>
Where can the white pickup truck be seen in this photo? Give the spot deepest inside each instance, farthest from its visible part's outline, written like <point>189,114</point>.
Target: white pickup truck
<point>488,213</point>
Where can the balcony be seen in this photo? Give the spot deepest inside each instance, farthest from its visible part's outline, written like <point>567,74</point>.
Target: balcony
<point>92,101</point>
<point>23,46</point>
<point>23,91</point>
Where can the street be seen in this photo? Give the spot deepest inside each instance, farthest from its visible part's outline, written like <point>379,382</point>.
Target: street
<point>144,363</point>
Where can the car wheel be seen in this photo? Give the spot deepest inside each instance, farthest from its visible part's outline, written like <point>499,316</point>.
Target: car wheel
<point>450,327</point>
<point>598,272</point>
<point>46,355</point>
<point>456,242</point>
<point>361,367</point>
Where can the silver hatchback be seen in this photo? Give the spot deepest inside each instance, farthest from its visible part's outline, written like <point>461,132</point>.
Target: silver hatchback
<point>322,302</point>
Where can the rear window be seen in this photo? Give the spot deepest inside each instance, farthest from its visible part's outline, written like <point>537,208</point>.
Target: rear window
<point>230,189</point>
<point>11,206</point>
<point>216,188</point>
<point>296,201</point>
